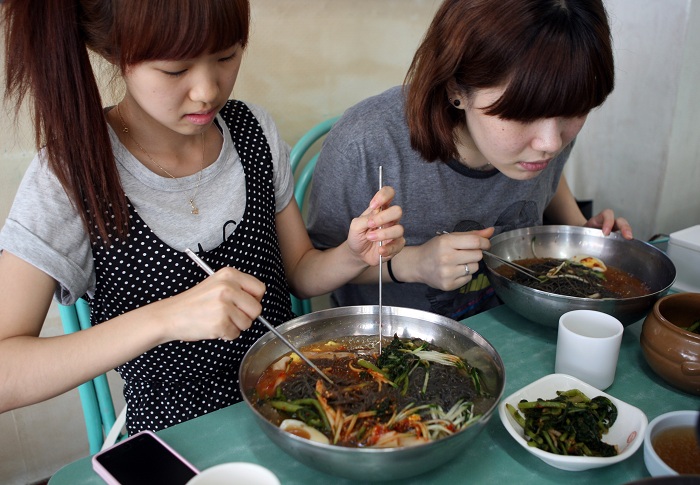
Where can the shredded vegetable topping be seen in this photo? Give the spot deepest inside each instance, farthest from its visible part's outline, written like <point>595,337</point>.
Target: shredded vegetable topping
<point>412,393</point>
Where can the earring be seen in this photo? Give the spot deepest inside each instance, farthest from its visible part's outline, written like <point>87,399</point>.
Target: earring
<point>456,102</point>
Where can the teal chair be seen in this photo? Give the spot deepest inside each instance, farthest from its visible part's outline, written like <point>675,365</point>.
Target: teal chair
<point>303,181</point>
<point>308,139</point>
<point>103,426</point>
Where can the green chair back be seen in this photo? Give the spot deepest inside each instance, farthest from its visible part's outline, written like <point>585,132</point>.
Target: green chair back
<point>308,139</point>
<point>303,182</point>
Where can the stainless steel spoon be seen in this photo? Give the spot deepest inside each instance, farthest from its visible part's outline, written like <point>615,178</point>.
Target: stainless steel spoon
<point>200,262</point>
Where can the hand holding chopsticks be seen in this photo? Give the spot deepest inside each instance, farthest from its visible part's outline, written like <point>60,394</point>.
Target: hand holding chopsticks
<point>261,319</point>
<point>379,222</point>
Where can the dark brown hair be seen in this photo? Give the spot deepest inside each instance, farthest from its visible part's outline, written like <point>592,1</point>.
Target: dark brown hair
<point>554,57</point>
<point>47,63</point>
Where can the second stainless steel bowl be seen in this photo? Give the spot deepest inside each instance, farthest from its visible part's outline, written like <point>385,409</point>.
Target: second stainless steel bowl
<point>638,258</point>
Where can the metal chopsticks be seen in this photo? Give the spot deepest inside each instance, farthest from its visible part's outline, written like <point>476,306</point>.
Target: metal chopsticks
<point>380,275</point>
<point>515,266</point>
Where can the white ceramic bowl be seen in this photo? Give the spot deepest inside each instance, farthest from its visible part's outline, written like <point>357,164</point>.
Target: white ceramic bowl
<point>654,464</point>
<point>239,473</point>
<point>627,432</point>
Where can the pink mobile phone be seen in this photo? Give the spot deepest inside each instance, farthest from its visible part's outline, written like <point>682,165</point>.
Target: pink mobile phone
<point>142,459</point>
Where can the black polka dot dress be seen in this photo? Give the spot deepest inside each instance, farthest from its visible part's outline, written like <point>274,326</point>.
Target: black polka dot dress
<point>177,381</point>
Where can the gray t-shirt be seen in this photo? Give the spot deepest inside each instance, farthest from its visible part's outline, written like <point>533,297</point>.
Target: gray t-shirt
<point>435,197</point>
<point>44,229</point>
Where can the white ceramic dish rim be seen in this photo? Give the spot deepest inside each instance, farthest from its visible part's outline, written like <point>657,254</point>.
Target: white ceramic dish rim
<point>546,387</point>
<point>235,472</point>
<point>677,418</point>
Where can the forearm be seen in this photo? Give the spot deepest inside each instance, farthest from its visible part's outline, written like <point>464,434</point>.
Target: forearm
<point>563,208</point>
<point>313,272</point>
<point>33,369</point>
<point>320,272</point>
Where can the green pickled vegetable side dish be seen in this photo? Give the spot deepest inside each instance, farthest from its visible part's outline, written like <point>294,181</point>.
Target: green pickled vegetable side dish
<point>570,424</point>
<point>693,327</point>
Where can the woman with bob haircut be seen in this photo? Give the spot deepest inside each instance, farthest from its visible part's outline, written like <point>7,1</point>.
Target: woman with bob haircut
<point>116,195</point>
<point>474,143</point>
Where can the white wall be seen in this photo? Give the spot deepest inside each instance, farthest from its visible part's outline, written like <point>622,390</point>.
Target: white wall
<point>640,152</point>
<point>311,59</point>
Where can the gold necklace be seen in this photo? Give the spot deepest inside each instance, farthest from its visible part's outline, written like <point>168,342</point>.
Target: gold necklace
<point>125,129</point>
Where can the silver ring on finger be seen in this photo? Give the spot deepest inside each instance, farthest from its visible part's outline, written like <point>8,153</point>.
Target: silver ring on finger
<point>466,269</point>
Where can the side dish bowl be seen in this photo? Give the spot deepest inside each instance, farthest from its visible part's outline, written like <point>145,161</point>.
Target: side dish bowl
<point>638,258</point>
<point>670,350</point>
<point>627,433</point>
<point>374,464</point>
<point>674,419</point>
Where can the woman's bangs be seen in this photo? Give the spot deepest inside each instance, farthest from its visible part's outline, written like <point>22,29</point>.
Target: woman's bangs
<point>556,79</point>
<point>185,29</point>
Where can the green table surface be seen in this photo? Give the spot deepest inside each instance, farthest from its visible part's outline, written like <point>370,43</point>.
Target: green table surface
<point>528,352</point>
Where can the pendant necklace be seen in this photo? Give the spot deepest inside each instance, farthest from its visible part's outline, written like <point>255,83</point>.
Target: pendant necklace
<point>125,129</point>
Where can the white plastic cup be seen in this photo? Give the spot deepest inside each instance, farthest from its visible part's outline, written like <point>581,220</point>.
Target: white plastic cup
<point>588,345</point>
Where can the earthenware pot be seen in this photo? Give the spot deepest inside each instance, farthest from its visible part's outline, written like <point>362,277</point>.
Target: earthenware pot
<point>672,351</point>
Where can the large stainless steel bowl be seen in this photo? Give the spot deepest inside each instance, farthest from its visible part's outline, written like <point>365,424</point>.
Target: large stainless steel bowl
<point>374,464</point>
<point>638,258</point>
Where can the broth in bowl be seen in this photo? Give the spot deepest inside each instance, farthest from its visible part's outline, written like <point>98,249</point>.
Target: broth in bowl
<point>580,276</point>
<point>679,448</point>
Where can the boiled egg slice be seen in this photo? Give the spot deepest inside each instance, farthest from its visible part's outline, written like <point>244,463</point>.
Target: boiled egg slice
<point>590,262</point>
<point>303,430</point>
<point>282,363</point>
